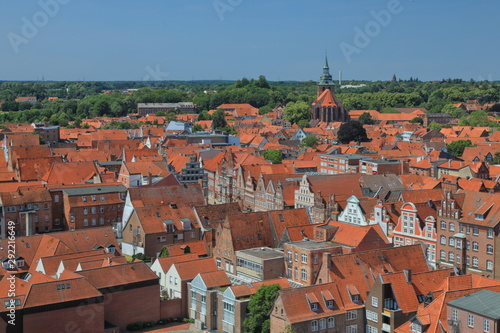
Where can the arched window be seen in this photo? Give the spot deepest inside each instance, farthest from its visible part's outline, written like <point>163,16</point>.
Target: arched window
<point>314,325</point>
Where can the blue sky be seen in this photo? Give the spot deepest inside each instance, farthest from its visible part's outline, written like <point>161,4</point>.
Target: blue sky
<point>231,39</point>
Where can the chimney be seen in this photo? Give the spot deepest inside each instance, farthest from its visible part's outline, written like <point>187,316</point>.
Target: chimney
<point>449,163</point>
<point>407,273</point>
<point>150,178</point>
<point>327,260</point>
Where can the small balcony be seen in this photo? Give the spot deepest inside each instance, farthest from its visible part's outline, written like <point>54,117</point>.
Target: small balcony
<point>386,327</point>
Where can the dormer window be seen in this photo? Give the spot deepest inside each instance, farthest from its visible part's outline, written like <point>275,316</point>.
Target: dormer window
<point>314,306</point>
<point>20,263</point>
<point>329,304</point>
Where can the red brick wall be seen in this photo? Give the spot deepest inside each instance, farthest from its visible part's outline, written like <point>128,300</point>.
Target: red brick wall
<point>130,306</point>
<point>170,308</point>
<point>89,318</point>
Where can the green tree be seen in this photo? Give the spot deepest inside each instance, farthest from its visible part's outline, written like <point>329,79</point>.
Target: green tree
<point>434,126</point>
<point>187,249</point>
<point>304,123</point>
<point>265,109</point>
<point>84,125</point>
<point>259,306</point>
<point>164,251</point>
<point>274,156</point>
<point>496,159</point>
<point>417,120</point>
<point>456,148</point>
<point>171,116</point>
<point>366,119</point>
<point>218,119</point>
<point>310,141</point>
<point>160,114</point>
<point>204,115</point>
<point>453,111</point>
<point>351,131</point>
<point>297,111</point>
<point>197,128</point>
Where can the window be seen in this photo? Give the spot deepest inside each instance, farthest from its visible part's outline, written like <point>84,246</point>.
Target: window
<point>102,197</point>
<point>93,198</point>
<point>303,274</point>
<point>351,315</point>
<point>451,241</point>
<point>85,211</point>
<point>374,301</point>
<point>475,246</point>
<point>490,233</point>
<point>467,260</point>
<point>489,265</point>
<point>371,329</point>
<point>470,320</point>
<point>322,323</point>
<point>371,316</point>
<point>56,198</point>
<point>314,325</point>
<point>84,199</point>
<point>442,240</point>
<point>475,231</point>
<point>295,273</point>
<point>451,256</point>
<point>351,329</point>
<point>57,222</point>
<point>452,226</point>
<point>101,221</point>
<point>331,322</point>
<point>296,256</point>
<point>101,209</point>
<point>94,221</point>
<point>442,255</point>
<point>489,248</point>
<point>85,222</point>
<point>94,210</point>
<point>475,262</point>
<point>304,258</point>
<point>454,314</point>
<point>458,259</point>
<point>458,244</point>
<point>486,325</point>
<point>443,225</point>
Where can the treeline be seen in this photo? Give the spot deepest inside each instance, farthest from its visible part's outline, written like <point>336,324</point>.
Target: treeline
<point>78,100</point>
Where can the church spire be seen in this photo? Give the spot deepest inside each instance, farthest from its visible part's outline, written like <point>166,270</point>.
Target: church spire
<point>326,78</point>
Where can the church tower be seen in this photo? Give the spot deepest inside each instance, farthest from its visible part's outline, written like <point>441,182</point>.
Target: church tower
<point>327,108</point>
<point>326,81</point>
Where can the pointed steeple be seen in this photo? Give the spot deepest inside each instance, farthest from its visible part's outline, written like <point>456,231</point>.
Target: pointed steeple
<point>326,78</point>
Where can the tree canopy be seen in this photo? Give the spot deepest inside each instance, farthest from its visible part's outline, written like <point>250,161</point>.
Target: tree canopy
<point>351,131</point>
<point>218,119</point>
<point>366,119</point>
<point>259,306</point>
<point>274,156</point>
<point>456,148</point>
<point>310,141</point>
<point>297,111</point>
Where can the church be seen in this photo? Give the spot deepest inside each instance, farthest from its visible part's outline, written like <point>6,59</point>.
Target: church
<point>327,108</point>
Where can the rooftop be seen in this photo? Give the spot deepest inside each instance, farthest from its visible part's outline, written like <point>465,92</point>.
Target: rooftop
<point>95,190</point>
<point>313,245</point>
<point>484,303</point>
<point>262,253</point>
